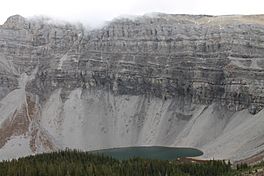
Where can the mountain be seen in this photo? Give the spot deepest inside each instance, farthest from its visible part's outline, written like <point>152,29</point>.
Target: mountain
<point>164,79</point>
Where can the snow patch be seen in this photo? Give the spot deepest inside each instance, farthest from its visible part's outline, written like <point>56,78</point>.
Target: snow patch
<point>62,59</point>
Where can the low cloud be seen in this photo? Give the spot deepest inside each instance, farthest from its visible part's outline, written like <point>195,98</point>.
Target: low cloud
<point>96,12</point>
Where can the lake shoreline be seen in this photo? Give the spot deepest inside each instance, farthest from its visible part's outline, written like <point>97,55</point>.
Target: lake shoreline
<point>149,152</point>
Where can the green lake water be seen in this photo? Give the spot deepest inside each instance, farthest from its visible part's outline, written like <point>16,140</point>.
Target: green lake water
<point>149,152</point>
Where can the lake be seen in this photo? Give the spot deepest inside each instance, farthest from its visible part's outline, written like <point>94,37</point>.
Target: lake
<point>149,152</point>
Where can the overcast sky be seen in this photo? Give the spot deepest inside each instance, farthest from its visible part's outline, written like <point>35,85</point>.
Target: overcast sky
<point>94,12</point>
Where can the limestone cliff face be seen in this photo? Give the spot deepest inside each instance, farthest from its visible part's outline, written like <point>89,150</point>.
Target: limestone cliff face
<point>178,80</point>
